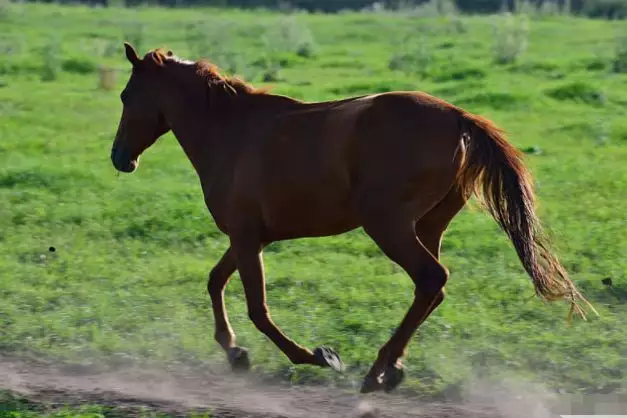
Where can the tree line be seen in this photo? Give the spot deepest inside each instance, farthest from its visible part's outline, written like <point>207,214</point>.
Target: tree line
<point>592,8</point>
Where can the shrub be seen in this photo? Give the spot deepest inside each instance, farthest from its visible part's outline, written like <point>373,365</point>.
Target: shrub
<point>10,49</point>
<point>51,55</point>
<point>609,9</point>
<point>511,38</point>
<point>289,35</point>
<point>212,40</point>
<point>78,66</point>
<point>620,55</point>
<point>412,55</point>
<point>134,33</point>
<point>457,25</point>
<point>5,9</point>
<point>578,92</point>
<point>431,8</point>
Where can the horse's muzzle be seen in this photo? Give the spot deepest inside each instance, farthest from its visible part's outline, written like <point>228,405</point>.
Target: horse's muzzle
<point>122,161</point>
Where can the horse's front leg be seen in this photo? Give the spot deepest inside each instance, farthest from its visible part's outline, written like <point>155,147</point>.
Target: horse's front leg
<point>248,256</point>
<point>224,335</point>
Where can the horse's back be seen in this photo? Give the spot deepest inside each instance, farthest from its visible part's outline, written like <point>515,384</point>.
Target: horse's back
<point>405,130</point>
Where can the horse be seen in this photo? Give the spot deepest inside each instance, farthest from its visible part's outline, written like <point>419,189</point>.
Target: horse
<point>400,165</point>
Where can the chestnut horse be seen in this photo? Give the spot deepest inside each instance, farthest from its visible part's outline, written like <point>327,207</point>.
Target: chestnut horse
<point>400,165</point>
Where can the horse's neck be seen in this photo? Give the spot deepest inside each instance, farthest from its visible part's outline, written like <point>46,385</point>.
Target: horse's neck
<point>194,134</point>
<point>209,140</point>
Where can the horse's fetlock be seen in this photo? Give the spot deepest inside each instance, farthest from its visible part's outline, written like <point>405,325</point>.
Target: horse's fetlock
<point>224,338</point>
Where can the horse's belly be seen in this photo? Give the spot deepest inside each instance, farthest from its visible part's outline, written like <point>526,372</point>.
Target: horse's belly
<point>317,214</point>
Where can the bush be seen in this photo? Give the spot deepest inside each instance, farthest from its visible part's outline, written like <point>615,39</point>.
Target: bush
<point>620,55</point>
<point>289,35</point>
<point>5,10</point>
<point>511,38</point>
<point>10,49</point>
<point>78,66</point>
<point>412,57</point>
<point>212,40</point>
<point>134,33</point>
<point>430,8</point>
<point>51,54</point>
<point>578,92</point>
<point>609,9</point>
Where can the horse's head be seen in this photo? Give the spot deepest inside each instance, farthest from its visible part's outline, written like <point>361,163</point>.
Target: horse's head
<point>142,121</point>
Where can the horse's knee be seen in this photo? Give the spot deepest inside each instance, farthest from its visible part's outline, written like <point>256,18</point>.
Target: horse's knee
<point>431,280</point>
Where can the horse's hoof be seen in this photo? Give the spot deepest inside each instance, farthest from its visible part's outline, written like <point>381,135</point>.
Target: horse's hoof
<point>387,381</point>
<point>392,377</point>
<point>238,359</point>
<point>328,357</point>
<point>370,384</point>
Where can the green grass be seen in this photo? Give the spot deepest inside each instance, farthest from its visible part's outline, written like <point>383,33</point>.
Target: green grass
<point>14,406</point>
<point>127,279</point>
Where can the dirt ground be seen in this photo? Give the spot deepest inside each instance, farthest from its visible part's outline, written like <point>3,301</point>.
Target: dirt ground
<point>180,391</point>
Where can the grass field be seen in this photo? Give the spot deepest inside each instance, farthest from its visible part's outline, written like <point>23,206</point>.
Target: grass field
<point>126,281</point>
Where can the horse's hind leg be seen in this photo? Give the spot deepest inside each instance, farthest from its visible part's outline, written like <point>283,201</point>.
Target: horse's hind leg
<point>394,233</point>
<point>430,229</point>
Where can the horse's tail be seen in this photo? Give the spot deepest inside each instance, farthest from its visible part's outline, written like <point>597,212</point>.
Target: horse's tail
<point>494,168</point>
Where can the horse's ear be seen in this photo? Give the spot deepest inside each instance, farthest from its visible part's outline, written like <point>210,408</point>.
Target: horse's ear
<point>157,58</point>
<point>230,90</point>
<point>131,55</point>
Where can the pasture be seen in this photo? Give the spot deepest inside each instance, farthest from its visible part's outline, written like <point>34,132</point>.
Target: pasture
<point>103,268</point>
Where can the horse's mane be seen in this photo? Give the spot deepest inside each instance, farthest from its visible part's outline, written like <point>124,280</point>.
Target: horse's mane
<point>209,71</point>
<point>212,72</point>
